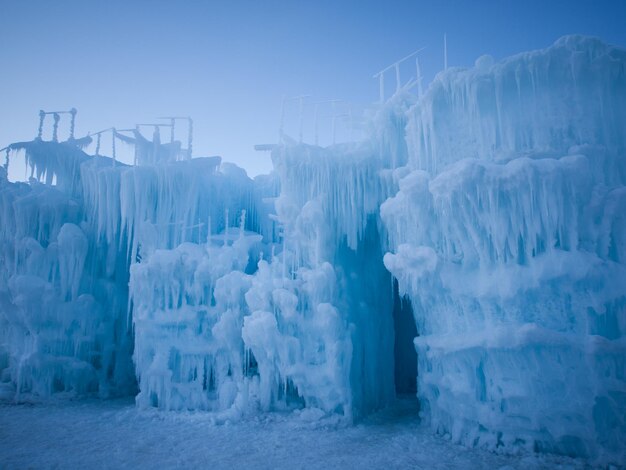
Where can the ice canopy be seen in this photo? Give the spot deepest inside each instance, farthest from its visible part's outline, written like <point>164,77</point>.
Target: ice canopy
<point>471,250</point>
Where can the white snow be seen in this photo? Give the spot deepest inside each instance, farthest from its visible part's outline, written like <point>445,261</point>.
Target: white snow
<point>114,434</point>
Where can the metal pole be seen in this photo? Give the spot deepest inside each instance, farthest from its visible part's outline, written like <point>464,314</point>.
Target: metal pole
<point>190,138</point>
<point>55,129</point>
<point>419,77</point>
<point>113,131</point>
<point>135,156</point>
<point>73,112</point>
<point>398,85</point>
<point>98,144</point>
<point>42,116</point>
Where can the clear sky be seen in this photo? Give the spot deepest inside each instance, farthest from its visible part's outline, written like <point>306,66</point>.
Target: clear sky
<point>228,63</point>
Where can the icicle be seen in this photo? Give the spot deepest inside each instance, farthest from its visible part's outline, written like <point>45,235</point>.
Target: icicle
<point>226,227</point>
<point>98,144</point>
<point>242,223</point>
<point>208,231</point>
<point>284,273</point>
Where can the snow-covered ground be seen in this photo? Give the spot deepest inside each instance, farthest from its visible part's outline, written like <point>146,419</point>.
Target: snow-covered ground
<point>115,434</point>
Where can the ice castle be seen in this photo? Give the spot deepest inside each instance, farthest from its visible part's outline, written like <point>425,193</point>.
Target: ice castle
<point>471,250</point>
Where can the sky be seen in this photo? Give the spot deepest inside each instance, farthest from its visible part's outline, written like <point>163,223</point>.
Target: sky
<point>228,64</point>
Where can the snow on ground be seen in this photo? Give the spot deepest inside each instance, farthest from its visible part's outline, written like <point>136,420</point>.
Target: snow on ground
<point>115,434</point>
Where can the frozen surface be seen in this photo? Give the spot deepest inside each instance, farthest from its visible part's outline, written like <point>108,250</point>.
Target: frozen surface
<point>508,237</point>
<point>115,434</point>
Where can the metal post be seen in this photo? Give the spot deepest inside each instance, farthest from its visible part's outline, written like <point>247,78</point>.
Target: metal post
<point>282,119</point>
<point>396,65</point>
<point>98,144</point>
<point>398,85</point>
<point>190,139</point>
<point>42,116</point>
<point>135,156</point>
<point>113,131</point>
<point>419,77</point>
<point>73,112</point>
<point>55,128</point>
<point>156,143</point>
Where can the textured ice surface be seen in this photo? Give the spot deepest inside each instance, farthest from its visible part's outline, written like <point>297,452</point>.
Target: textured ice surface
<point>496,204</point>
<point>112,434</point>
<point>511,247</point>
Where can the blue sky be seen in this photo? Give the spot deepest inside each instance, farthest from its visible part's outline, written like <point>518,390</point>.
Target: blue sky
<point>228,63</point>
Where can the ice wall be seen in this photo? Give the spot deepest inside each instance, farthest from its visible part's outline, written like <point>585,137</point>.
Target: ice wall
<point>211,336</point>
<point>329,207</point>
<point>236,325</point>
<point>510,246</point>
<point>63,325</point>
<point>535,103</point>
<point>68,240</point>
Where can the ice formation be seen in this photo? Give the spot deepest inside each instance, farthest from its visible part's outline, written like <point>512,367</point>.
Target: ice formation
<point>472,248</point>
